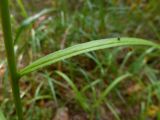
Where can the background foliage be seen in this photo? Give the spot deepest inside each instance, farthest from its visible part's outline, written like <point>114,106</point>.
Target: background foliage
<point>41,27</point>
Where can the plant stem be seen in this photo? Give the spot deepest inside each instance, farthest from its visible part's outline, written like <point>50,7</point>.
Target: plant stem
<point>7,33</point>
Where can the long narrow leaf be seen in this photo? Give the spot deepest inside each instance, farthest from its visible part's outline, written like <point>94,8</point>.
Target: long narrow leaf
<point>78,94</point>
<point>83,48</point>
<point>51,85</point>
<point>110,87</point>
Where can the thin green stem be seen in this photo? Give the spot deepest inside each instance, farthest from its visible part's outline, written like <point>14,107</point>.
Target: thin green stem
<point>4,8</point>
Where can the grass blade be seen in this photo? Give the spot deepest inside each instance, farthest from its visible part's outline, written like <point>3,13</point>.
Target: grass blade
<point>83,48</point>
<point>113,110</point>
<point>29,21</point>
<point>92,84</point>
<point>52,87</point>
<point>109,88</point>
<point>79,96</point>
<point>23,10</point>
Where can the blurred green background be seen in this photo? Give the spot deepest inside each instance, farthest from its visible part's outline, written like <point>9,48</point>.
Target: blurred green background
<point>41,27</point>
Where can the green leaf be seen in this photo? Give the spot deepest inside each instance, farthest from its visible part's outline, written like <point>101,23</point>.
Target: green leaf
<point>51,85</point>
<point>83,48</point>
<point>110,87</point>
<point>78,94</point>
